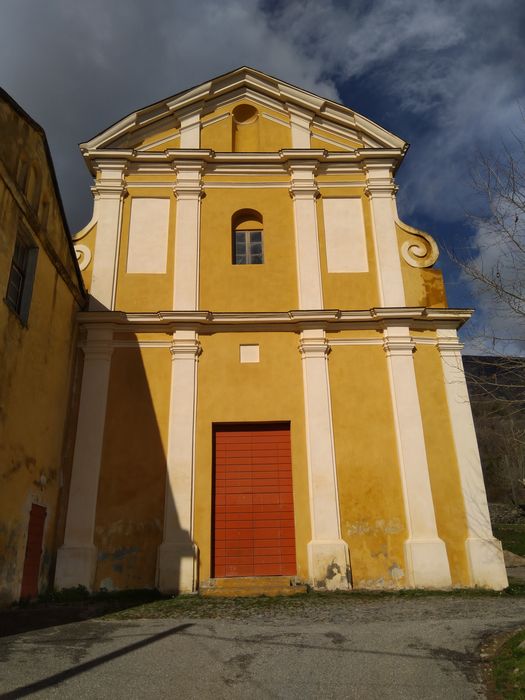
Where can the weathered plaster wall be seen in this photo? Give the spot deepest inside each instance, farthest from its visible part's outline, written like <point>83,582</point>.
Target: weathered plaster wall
<point>35,370</point>
<point>128,528</point>
<point>371,502</point>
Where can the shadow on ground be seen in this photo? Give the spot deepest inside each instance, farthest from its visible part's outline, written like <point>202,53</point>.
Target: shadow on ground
<point>39,615</point>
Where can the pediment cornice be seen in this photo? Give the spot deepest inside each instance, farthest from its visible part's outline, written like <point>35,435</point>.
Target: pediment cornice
<point>250,84</point>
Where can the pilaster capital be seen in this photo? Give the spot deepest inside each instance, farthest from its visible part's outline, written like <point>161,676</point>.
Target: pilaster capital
<point>398,342</point>
<point>98,344</point>
<point>314,348</point>
<point>448,342</point>
<point>111,183</point>
<point>189,182</point>
<point>380,181</point>
<point>303,184</point>
<point>185,349</point>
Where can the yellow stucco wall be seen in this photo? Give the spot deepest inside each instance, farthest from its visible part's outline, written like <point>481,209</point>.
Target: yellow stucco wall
<point>442,462</point>
<point>229,391</point>
<point>129,521</point>
<point>371,502</point>
<point>341,290</point>
<point>141,291</point>
<point>227,287</point>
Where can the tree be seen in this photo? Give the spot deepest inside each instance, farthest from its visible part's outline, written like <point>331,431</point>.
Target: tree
<point>496,273</point>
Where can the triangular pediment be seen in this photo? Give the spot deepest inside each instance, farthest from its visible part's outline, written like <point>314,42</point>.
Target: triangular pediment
<point>157,127</point>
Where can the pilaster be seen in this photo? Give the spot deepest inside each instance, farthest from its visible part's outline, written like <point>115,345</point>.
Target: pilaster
<point>76,559</point>
<point>328,558</point>
<point>190,126</point>
<point>109,193</point>
<point>300,120</point>
<point>188,190</point>
<point>381,191</point>
<point>426,558</point>
<point>485,556</point>
<point>177,557</point>
<point>304,192</point>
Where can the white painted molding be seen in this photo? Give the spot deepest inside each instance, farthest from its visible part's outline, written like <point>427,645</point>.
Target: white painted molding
<point>381,189</point>
<point>272,118</point>
<point>426,560</point>
<point>110,190</point>
<point>326,551</point>
<point>304,192</point>
<point>76,559</point>
<point>178,556</point>
<point>188,190</point>
<point>420,253</point>
<point>83,255</point>
<point>249,83</point>
<point>484,552</point>
<point>418,318</point>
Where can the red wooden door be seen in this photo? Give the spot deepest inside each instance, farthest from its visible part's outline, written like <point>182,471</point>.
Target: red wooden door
<point>254,532</point>
<point>35,536</point>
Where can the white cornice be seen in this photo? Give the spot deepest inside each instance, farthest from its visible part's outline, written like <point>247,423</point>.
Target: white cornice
<point>371,158</point>
<point>253,84</point>
<point>417,318</point>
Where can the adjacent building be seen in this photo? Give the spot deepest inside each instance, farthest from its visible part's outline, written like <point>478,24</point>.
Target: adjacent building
<point>41,293</point>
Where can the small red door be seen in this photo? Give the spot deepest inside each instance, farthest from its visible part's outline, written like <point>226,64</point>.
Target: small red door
<point>35,536</point>
<point>254,533</point>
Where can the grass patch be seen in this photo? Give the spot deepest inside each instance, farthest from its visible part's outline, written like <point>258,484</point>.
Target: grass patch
<point>195,606</point>
<point>512,537</point>
<point>508,669</point>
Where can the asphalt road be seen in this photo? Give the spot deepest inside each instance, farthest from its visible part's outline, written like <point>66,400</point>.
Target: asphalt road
<point>384,648</point>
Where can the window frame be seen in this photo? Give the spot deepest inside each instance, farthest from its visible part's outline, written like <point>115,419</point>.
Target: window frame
<point>249,254</point>
<point>23,265</point>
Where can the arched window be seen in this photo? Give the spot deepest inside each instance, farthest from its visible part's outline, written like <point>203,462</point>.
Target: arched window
<point>247,238</point>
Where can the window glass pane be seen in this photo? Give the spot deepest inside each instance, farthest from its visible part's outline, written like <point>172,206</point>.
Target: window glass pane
<point>20,255</point>
<point>255,236</point>
<point>256,260</point>
<point>240,246</point>
<point>256,248</point>
<point>240,259</point>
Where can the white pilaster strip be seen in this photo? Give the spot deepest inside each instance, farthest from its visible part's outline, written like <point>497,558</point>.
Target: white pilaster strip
<point>300,120</point>
<point>328,559</point>
<point>177,560</point>
<point>76,559</point>
<point>109,193</point>
<point>426,558</point>
<point>188,191</point>
<point>190,126</point>
<point>304,192</point>
<point>381,190</point>
<point>485,556</point>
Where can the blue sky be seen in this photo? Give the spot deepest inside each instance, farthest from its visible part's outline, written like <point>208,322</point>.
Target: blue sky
<point>445,76</point>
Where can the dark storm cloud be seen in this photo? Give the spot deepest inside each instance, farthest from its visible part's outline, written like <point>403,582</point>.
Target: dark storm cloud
<point>77,67</point>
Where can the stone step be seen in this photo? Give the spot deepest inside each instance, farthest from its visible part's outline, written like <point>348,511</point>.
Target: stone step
<point>245,586</point>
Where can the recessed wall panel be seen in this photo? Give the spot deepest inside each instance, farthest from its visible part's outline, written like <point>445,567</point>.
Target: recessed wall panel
<point>148,235</point>
<point>345,235</point>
